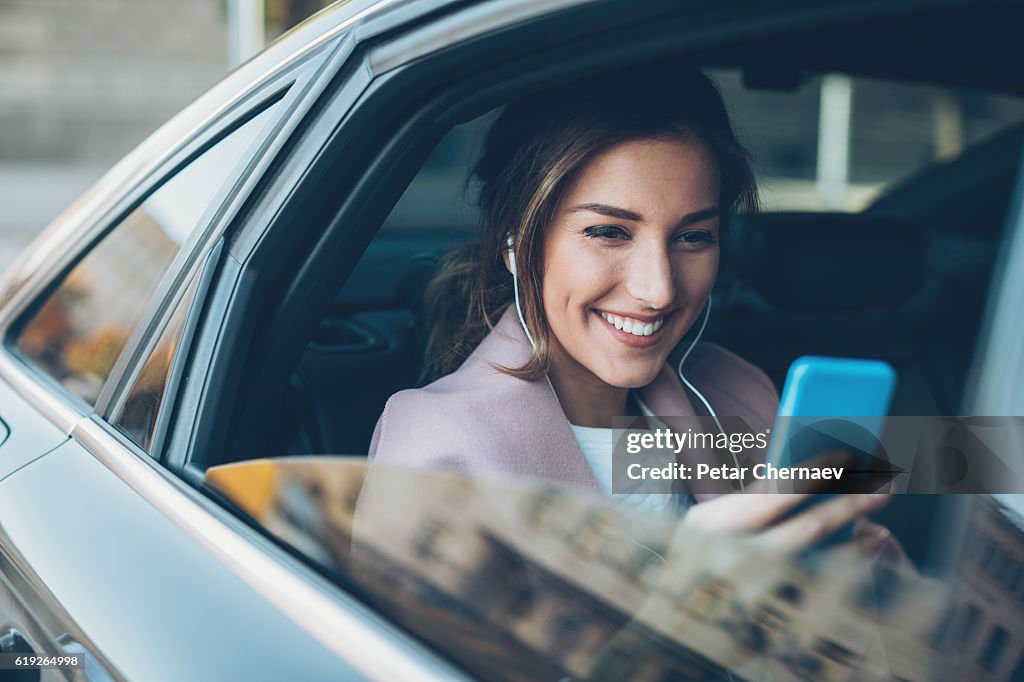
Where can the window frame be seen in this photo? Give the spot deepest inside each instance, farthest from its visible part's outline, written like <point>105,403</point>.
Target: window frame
<point>201,276</point>
<point>130,361</point>
<point>284,89</point>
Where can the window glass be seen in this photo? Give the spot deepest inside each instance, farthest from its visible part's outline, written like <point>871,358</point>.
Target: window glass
<point>137,417</point>
<point>79,331</point>
<point>839,142</point>
<point>489,572</point>
<point>969,620</point>
<point>994,647</point>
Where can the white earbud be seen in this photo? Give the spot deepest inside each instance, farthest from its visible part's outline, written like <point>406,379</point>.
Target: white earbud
<point>700,396</point>
<point>511,256</point>
<point>515,289</point>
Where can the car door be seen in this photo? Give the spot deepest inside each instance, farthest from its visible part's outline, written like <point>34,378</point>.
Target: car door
<point>355,216</point>
<point>77,348</point>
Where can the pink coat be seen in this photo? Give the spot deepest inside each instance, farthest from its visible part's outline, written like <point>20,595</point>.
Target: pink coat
<point>480,420</point>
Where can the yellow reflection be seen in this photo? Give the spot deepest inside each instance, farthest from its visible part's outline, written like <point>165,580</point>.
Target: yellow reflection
<point>251,485</point>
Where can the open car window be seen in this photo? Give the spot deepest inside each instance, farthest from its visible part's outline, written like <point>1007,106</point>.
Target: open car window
<point>520,580</point>
<point>896,270</point>
<point>834,142</point>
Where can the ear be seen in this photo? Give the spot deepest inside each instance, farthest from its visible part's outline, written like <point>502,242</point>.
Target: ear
<point>505,255</point>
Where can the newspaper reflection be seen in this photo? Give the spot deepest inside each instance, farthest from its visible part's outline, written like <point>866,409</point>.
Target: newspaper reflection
<point>525,581</point>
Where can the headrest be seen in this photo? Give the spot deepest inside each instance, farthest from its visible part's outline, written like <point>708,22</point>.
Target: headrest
<point>419,270</point>
<point>826,262</point>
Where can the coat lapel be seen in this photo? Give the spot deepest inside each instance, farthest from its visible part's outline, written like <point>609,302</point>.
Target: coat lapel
<point>546,446</point>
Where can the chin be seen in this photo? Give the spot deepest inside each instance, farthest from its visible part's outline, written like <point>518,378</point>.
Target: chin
<point>632,378</point>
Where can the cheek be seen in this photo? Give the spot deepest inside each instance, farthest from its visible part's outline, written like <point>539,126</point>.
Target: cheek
<point>574,278</point>
<point>695,275</point>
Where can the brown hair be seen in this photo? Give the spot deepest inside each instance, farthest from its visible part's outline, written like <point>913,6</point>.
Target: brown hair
<point>530,156</point>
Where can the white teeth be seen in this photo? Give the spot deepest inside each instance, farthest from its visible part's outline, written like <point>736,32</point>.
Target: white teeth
<point>634,327</point>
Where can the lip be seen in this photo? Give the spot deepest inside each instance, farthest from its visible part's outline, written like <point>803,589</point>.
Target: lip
<point>632,340</point>
<point>635,316</point>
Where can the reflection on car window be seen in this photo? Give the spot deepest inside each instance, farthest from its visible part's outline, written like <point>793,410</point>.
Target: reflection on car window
<point>79,331</point>
<point>493,575</point>
<point>137,417</point>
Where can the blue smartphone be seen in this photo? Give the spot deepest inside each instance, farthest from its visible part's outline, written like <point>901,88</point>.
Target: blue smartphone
<point>830,403</point>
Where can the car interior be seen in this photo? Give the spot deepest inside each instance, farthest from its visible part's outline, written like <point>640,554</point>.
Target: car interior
<point>904,280</point>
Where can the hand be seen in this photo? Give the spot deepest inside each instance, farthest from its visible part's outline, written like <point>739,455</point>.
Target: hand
<point>768,518</point>
<point>764,517</point>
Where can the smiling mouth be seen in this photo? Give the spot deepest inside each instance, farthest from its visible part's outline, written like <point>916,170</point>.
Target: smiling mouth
<point>632,326</point>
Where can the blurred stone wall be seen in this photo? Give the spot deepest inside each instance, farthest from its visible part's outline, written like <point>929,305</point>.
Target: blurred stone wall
<point>84,81</point>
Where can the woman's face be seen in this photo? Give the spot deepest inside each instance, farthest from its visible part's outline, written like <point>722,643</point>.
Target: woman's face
<point>630,259</point>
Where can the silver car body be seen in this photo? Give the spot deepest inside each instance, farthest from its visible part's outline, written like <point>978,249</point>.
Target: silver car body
<point>105,553</point>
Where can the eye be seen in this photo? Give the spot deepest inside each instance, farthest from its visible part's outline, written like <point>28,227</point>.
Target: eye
<point>696,237</point>
<point>609,232</point>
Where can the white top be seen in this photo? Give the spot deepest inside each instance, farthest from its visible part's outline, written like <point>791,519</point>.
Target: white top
<point>596,444</point>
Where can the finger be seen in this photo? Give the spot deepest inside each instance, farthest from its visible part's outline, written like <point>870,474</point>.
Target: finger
<point>761,504</point>
<point>818,522</point>
<point>760,511</point>
<point>743,513</point>
<point>869,533</point>
<point>895,556</point>
<point>788,487</point>
<point>878,542</point>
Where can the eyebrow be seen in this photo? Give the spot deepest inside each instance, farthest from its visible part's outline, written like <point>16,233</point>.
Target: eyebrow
<point>625,214</point>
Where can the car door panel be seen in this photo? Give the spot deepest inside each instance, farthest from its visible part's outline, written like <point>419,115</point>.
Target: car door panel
<point>115,556</point>
<point>20,626</point>
<point>24,433</point>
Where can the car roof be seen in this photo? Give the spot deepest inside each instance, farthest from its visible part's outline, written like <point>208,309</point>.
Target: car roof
<point>965,38</point>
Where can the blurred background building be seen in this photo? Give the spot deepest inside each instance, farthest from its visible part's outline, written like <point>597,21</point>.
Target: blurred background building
<point>84,81</point>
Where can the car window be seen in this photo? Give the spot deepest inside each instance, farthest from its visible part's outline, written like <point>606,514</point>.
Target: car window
<point>78,332</point>
<point>838,142</point>
<point>137,417</point>
<point>525,580</point>
<point>834,143</point>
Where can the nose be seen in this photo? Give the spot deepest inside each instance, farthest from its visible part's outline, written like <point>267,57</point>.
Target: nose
<point>651,279</point>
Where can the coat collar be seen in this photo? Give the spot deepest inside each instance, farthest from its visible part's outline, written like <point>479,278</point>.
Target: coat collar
<point>507,346</point>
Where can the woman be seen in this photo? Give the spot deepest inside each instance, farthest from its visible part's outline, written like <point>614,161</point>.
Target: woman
<point>603,207</point>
